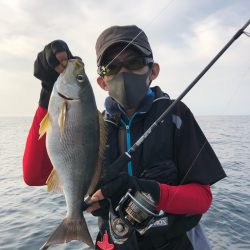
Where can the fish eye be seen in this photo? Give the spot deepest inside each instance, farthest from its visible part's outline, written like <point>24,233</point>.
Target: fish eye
<point>80,78</point>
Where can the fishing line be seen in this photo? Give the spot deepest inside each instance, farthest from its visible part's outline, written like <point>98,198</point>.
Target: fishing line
<point>247,33</point>
<point>126,157</point>
<point>236,90</point>
<point>148,25</point>
<point>238,86</point>
<point>221,52</point>
<point>223,113</point>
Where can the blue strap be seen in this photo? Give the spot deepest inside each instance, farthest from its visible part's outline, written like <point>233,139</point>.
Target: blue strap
<point>128,140</point>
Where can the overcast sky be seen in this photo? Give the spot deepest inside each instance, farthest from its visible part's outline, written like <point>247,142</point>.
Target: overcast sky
<point>184,35</point>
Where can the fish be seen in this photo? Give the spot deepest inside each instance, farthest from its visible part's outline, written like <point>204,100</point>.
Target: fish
<point>75,141</point>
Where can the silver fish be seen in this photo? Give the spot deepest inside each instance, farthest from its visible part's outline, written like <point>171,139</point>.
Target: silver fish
<point>75,140</point>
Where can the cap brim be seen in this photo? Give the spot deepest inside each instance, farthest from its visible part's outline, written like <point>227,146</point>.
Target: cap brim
<point>141,49</point>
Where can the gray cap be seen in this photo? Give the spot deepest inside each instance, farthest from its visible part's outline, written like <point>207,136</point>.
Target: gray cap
<point>130,34</point>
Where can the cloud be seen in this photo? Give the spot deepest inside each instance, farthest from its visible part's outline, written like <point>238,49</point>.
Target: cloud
<point>184,35</point>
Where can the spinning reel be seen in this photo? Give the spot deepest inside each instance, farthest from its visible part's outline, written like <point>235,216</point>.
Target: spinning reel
<point>132,213</point>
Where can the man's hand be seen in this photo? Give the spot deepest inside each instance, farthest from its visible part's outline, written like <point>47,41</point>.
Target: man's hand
<point>62,58</point>
<point>95,198</point>
<point>113,190</point>
<point>117,188</point>
<point>50,62</point>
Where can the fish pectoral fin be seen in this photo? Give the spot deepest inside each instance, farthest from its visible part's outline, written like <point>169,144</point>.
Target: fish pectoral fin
<point>62,117</point>
<point>53,182</point>
<point>70,230</point>
<point>45,125</point>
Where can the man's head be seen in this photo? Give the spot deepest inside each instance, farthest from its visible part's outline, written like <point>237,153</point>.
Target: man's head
<point>125,64</point>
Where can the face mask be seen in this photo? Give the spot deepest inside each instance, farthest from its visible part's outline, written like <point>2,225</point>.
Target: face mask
<point>128,89</point>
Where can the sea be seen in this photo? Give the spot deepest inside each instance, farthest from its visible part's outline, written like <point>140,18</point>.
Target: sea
<point>29,214</point>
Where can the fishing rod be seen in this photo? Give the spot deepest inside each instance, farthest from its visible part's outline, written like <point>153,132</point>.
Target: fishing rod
<point>126,157</point>
<point>139,203</point>
<point>135,210</point>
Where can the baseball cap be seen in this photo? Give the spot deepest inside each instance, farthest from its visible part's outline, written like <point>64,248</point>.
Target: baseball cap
<point>130,34</point>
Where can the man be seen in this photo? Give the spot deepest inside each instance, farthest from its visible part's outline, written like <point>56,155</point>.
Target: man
<point>175,165</point>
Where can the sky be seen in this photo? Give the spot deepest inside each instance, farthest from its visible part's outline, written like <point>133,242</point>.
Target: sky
<point>184,35</point>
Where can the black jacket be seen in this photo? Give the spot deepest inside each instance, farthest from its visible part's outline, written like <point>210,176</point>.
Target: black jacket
<point>175,153</point>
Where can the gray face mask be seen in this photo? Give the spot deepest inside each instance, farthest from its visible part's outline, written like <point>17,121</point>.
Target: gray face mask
<point>128,89</point>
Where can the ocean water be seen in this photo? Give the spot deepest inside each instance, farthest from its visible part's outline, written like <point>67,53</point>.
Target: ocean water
<point>29,214</point>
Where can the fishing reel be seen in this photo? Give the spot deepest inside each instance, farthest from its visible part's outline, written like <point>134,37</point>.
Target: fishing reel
<point>132,213</point>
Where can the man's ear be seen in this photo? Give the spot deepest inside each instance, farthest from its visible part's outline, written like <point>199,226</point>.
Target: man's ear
<point>154,71</point>
<point>102,83</point>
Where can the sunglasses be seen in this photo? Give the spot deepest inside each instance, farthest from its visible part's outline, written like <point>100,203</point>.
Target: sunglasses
<point>115,66</point>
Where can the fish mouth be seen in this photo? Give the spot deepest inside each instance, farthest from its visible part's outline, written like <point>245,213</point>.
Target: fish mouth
<point>65,97</point>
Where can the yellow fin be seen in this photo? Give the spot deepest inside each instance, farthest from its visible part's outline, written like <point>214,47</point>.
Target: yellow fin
<point>45,124</point>
<point>53,182</point>
<point>102,144</point>
<point>62,117</point>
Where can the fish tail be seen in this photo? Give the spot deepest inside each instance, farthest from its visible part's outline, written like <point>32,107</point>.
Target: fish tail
<point>69,230</point>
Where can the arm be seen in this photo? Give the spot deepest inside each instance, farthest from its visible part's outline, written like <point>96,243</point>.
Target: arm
<point>192,198</point>
<point>36,163</point>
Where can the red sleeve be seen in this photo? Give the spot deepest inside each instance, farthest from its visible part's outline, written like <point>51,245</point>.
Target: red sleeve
<point>192,198</point>
<point>36,163</point>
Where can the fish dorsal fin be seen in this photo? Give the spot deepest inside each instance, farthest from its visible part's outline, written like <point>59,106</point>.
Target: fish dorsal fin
<point>102,144</point>
<point>45,125</point>
<point>62,117</point>
<point>53,182</point>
